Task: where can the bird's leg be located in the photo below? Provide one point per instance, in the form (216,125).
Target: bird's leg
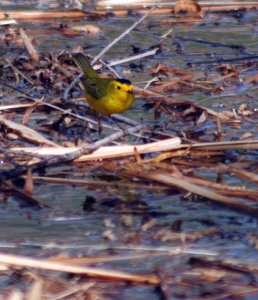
(100,125)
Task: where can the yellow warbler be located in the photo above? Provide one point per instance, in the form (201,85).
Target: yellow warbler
(106,96)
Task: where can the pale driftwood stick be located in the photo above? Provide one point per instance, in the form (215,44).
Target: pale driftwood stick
(122,35)
(15,172)
(125,150)
(107,151)
(22,261)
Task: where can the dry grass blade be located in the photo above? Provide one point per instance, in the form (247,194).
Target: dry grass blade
(29,47)
(20,261)
(27,133)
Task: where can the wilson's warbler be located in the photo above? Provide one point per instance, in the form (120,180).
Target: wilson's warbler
(107,96)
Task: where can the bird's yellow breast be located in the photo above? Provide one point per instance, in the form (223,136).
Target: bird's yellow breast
(111,104)
(118,98)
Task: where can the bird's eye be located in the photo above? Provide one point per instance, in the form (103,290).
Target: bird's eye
(119,87)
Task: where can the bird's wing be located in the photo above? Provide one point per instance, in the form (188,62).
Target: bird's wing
(97,87)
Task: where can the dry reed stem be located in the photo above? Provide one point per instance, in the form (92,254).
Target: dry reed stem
(101,183)
(80,14)
(182,150)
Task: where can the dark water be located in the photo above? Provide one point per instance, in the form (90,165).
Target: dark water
(64,225)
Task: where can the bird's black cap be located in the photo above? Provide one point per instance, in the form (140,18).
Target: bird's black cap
(124,81)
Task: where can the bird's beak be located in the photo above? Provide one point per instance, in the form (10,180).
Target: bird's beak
(130,92)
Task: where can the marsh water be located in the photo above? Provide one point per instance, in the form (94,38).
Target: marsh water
(66,226)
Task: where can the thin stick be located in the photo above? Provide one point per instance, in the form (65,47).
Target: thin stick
(44,264)
(131,58)
(122,35)
(72,84)
(19,72)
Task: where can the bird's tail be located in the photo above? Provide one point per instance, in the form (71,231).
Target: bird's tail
(84,64)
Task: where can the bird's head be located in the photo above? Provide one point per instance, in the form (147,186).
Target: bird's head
(122,87)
